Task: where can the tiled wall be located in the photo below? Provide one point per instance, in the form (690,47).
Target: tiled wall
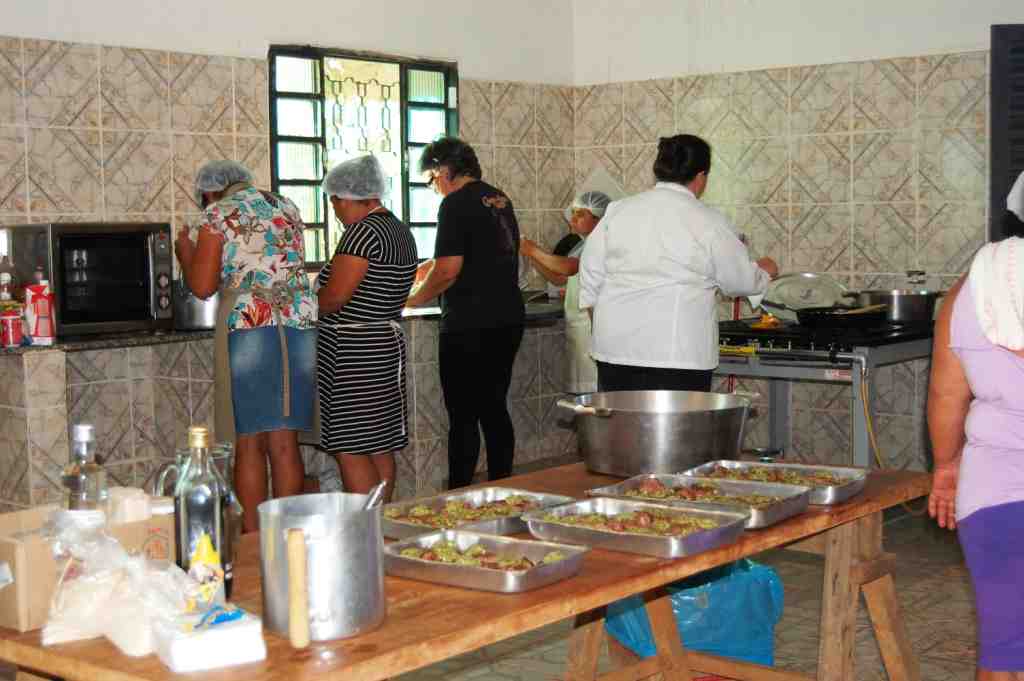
(95,132)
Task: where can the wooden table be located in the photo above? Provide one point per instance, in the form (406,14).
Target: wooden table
(427,623)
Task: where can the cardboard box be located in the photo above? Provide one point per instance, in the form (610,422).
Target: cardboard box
(25,604)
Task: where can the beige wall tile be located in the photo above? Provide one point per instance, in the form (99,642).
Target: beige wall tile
(189,153)
(722,188)
(64,171)
(526,374)
(821,169)
(97,365)
(254,154)
(201,402)
(135,89)
(171,419)
(820,238)
(884,237)
(897,443)
(821,396)
(12,82)
(894,389)
(201,360)
(476,111)
(515,113)
(517,175)
(822,437)
(953,165)
(948,235)
(555,116)
(48,453)
(14,476)
(526,423)
(610,159)
(431,459)
(485,155)
(953,90)
(137,172)
(405,473)
(62,83)
(703,104)
(12,386)
(171,360)
(13,188)
(638,168)
(649,110)
(598,115)
(552,229)
(555,178)
(252,103)
(430,419)
(760,102)
(45,379)
(144,431)
(761,173)
(201,93)
(107,406)
(821,99)
(884,94)
(557,436)
(883,167)
(767,232)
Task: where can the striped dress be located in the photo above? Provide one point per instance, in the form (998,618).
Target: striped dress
(361,358)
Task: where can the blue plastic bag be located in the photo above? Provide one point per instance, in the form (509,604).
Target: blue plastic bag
(729,611)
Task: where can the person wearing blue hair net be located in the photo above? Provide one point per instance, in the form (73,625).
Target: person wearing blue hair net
(361,360)
(583,215)
(251,247)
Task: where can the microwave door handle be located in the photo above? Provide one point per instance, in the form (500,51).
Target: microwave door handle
(150,244)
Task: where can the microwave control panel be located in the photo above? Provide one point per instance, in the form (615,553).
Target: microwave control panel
(162,262)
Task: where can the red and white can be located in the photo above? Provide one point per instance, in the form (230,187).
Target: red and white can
(10,328)
(39,313)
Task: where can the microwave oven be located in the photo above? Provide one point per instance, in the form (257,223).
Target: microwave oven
(106,277)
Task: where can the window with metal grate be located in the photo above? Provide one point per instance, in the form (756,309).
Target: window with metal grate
(1006,103)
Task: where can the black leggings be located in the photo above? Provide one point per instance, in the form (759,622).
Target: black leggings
(476,370)
(612,377)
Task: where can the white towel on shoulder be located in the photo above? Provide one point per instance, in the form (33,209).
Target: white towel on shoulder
(997,283)
(1015,200)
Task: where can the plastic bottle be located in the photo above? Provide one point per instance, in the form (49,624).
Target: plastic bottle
(84,480)
(7,279)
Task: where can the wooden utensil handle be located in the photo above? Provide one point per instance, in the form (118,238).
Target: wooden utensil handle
(298,594)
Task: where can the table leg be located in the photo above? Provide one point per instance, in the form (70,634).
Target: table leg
(779,406)
(585,646)
(675,663)
(839,603)
(890,631)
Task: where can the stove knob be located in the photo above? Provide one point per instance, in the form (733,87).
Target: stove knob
(163,281)
(164,302)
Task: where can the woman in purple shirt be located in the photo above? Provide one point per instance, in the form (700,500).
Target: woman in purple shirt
(976,424)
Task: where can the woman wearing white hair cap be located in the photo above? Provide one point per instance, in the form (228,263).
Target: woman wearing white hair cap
(361,361)
(583,215)
(251,247)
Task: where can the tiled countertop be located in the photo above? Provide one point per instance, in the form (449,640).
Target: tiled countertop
(536,314)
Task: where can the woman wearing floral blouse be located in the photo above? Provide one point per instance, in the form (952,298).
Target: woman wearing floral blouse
(250,247)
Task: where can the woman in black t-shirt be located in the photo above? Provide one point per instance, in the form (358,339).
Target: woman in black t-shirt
(476,272)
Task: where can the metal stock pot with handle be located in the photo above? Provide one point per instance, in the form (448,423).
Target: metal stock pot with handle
(657,431)
(905,306)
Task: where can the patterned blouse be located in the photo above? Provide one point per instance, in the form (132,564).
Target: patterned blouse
(263,249)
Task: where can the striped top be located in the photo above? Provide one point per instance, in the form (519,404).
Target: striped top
(388,244)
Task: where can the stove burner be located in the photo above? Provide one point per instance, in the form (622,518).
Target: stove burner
(793,336)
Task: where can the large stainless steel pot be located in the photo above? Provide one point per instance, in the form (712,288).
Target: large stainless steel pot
(338,556)
(905,305)
(190,311)
(657,431)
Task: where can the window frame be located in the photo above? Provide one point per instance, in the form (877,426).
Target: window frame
(449,71)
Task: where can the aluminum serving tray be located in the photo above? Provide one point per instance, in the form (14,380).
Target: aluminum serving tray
(505,525)
(793,498)
(730,528)
(484,579)
(855,478)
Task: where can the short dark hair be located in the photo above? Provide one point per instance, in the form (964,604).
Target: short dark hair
(681,158)
(454,154)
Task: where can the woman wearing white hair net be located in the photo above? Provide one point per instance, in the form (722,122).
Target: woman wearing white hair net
(251,247)
(361,361)
(583,215)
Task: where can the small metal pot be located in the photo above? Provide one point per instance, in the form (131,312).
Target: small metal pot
(191,312)
(905,305)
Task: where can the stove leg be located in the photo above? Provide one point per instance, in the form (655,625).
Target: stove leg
(861,445)
(780,406)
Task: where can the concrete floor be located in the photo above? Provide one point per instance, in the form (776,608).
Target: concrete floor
(933,588)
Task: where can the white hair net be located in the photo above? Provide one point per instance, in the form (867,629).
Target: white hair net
(216,176)
(594,201)
(357,178)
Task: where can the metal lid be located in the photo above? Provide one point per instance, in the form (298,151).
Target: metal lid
(83,432)
(199,437)
(804,289)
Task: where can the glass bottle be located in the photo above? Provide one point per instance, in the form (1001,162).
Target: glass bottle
(84,480)
(7,279)
(202,502)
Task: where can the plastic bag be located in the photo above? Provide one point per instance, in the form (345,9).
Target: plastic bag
(103,591)
(729,611)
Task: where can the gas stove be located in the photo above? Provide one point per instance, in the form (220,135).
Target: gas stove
(793,336)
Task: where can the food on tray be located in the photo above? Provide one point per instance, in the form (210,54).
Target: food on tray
(650,523)
(656,489)
(455,513)
(767,321)
(477,556)
(789,476)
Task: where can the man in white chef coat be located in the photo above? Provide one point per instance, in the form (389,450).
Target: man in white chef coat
(650,272)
